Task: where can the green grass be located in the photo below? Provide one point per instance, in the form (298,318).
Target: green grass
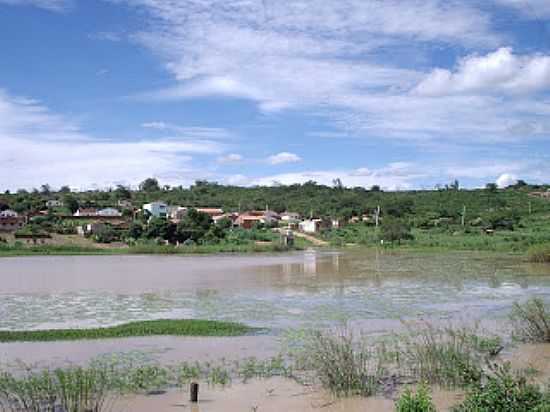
(184,327)
(539,253)
(146,249)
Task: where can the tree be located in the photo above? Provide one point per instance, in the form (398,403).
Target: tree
(122,192)
(65,189)
(193,226)
(455,185)
(395,230)
(45,189)
(375,188)
(135,231)
(159,228)
(149,185)
(71,203)
(491,187)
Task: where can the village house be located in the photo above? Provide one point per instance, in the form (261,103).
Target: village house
(125,204)
(54,203)
(109,212)
(231,216)
(211,211)
(177,213)
(11,223)
(248,219)
(156,209)
(290,217)
(8,213)
(542,195)
(86,212)
(311,225)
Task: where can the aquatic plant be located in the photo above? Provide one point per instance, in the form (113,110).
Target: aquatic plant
(531,321)
(68,390)
(341,364)
(421,401)
(172,327)
(445,356)
(504,392)
(539,253)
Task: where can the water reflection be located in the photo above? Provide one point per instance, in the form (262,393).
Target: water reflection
(290,290)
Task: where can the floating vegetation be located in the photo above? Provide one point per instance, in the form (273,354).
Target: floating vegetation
(183,327)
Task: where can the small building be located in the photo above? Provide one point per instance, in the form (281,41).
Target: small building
(86,212)
(248,219)
(290,217)
(177,213)
(311,225)
(125,204)
(231,216)
(156,209)
(109,211)
(54,203)
(8,213)
(11,223)
(211,211)
(90,228)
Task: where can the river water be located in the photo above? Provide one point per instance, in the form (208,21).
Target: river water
(373,290)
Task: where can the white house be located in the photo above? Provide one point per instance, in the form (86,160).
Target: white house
(109,211)
(8,213)
(290,217)
(311,225)
(177,213)
(156,209)
(54,203)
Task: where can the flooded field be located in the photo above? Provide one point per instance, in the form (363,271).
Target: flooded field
(372,290)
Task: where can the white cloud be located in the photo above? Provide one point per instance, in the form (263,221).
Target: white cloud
(231,158)
(41,147)
(326,58)
(395,176)
(529,8)
(210,133)
(284,157)
(499,72)
(52,5)
(506,180)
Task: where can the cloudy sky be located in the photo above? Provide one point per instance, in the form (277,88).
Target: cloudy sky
(399,93)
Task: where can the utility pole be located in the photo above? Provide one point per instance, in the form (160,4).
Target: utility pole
(463,215)
(377,215)
(530,207)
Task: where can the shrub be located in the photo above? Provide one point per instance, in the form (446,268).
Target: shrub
(421,401)
(504,392)
(531,321)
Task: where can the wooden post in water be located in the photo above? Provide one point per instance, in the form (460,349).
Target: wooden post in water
(194,392)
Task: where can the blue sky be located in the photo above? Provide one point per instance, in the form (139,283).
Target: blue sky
(399,93)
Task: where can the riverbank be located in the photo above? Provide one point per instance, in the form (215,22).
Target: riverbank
(12,250)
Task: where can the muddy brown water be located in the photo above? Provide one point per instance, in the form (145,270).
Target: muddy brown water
(373,291)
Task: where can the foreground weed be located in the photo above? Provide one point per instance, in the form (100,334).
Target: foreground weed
(505,392)
(343,365)
(531,321)
(421,401)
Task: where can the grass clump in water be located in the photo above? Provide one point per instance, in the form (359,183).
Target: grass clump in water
(343,365)
(421,401)
(182,327)
(539,254)
(531,321)
(447,357)
(67,390)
